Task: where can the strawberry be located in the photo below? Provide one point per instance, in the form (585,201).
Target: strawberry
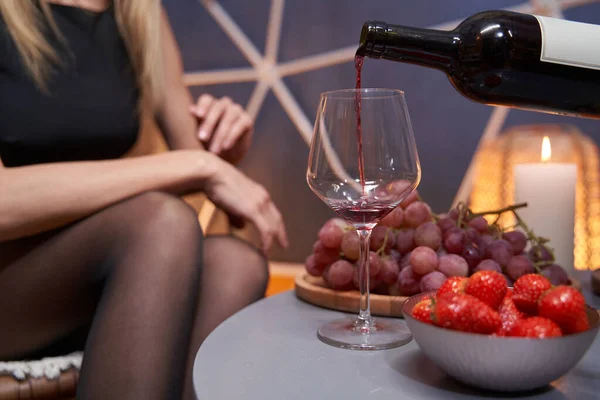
(465,313)
(581,324)
(565,306)
(487,286)
(536,327)
(527,291)
(509,314)
(422,310)
(453,285)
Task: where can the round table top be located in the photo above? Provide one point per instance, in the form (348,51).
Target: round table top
(270,351)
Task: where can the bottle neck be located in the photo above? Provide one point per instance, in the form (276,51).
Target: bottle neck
(426,47)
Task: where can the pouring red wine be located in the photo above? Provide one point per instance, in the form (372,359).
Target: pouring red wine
(358,63)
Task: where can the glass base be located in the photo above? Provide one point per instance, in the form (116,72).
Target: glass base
(357,334)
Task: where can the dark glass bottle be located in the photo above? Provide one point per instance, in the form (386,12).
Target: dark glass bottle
(503,58)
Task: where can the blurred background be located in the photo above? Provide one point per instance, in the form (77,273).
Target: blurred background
(276,57)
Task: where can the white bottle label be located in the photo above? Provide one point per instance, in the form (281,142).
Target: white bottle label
(570,43)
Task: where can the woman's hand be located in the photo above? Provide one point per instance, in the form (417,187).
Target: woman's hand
(242,198)
(224,126)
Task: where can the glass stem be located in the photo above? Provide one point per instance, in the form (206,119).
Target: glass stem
(364,315)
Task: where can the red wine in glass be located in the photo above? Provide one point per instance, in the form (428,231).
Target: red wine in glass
(363,215)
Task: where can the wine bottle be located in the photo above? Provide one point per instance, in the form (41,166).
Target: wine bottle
(503,58)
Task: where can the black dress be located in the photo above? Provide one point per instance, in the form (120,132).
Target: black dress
(90,112)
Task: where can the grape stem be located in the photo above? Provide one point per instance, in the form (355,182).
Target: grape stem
(510,228)
(462,210)
(381,249)
(542,263)
(497,231)
(500,210)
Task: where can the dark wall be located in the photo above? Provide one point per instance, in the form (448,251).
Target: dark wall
(447,126)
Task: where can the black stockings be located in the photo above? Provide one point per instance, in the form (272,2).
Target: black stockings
(137,283)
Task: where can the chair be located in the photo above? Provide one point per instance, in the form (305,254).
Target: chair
(51,378)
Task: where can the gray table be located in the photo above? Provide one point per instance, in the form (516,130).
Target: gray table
(269,351)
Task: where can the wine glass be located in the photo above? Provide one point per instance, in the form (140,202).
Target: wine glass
(363,162)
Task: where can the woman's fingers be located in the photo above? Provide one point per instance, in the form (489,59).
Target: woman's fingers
(230,116)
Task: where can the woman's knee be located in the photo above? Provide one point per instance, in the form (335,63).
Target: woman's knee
(162,213)
(164,229)
(237,261)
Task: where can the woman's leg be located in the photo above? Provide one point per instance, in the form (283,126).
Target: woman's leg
(130,272)
(235,275)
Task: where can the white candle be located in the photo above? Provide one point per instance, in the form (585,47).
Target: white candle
(549,191)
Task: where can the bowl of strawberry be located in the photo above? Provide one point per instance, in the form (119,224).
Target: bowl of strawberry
(485,334)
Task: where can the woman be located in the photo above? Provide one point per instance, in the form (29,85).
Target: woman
(100,250)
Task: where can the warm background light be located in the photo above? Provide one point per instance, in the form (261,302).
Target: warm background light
(493,184)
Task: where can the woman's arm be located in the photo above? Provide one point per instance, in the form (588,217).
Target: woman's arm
(41,197)
(177,124)
(226,126)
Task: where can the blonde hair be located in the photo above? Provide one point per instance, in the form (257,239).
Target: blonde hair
(139,25)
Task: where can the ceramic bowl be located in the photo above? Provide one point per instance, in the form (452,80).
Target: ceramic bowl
(500,363)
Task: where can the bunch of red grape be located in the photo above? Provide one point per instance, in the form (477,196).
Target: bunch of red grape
(413,250)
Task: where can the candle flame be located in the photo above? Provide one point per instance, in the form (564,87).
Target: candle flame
(546,149)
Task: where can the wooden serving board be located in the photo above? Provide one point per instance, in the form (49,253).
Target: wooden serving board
(312,290)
